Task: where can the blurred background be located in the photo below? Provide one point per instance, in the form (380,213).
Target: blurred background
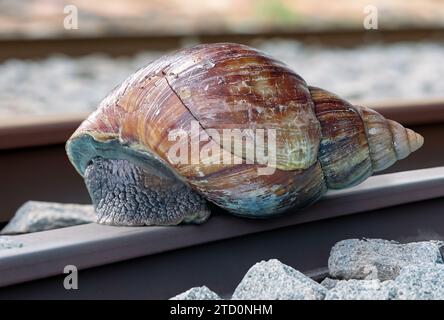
(62,57)
(44,18)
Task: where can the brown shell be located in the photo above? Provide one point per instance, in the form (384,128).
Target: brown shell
(321,140)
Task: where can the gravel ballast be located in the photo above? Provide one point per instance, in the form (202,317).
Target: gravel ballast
(61,85)
(8,243)
(421,282)
(36,216)
(362,290)
(329,283)
(197,293)
(273,280)
(410,279)
(379,259)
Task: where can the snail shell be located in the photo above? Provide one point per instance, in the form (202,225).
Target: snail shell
(321,141)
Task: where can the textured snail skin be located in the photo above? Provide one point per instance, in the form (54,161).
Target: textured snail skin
(322,141)
(157,198)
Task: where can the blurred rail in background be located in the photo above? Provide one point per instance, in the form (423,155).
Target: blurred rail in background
(129,45)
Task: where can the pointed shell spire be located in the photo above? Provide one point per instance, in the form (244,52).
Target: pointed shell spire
(405,140)
(357,141)
(388,140)
(415,140)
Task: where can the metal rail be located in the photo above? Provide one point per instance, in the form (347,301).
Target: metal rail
(30,131)
(130,44)
(35,131)
(34,166)
(87,246)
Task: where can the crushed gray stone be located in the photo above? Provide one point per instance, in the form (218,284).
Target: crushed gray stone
(405,70)
(416,280)
(36,216)
(8,243)
(273,280)
(421,282)
(329,283)
(197,293)
(362,290)
(379,259)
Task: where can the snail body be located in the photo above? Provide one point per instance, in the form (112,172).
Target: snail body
(322,142)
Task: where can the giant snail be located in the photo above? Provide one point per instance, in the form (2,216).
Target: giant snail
(123,149)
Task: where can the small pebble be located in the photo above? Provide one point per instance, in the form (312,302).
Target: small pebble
(329,283)
(197,293)
(362,290)
(8,243)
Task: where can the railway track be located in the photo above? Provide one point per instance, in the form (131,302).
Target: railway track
(404,206)
(405,203)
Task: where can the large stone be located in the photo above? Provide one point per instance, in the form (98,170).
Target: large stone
(379,259)
(421,282)
(362,290)
(36,216)
(8,243)
(273,280)
(197,293)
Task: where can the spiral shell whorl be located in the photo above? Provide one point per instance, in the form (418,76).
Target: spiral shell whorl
(357,141)
(388,140)
(405,140)
(344,152)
